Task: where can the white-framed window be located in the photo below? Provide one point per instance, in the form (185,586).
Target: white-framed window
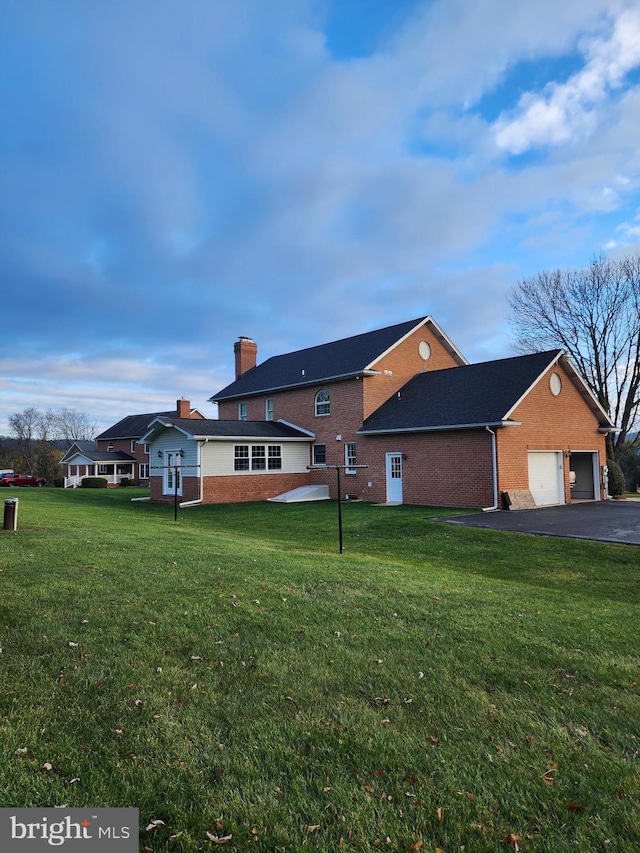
(242,411)
(258,457)
(319,454)
(146,449)
(268,409)
(110,447)
(133,445)
(350,459)
(274,458)
(241,457)
(322,403)
(143,470)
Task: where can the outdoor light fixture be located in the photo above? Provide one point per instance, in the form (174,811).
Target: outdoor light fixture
(159,454)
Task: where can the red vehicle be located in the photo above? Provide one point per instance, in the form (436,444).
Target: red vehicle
(21,480)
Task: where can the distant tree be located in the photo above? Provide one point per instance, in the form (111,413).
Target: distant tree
(37,434)
(71,425)
(594,315)
(25,425)
(630,464)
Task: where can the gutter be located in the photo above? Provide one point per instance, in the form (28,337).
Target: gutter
(494,471)
(440,428)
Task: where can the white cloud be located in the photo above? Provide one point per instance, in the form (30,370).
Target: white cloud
(567,111)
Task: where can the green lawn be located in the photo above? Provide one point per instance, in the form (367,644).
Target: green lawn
(230,674)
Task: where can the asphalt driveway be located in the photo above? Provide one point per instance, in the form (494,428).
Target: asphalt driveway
(605,521)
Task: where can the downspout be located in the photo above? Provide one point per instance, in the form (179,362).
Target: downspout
(494,468)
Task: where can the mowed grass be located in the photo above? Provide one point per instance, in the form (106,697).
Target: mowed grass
(233,676)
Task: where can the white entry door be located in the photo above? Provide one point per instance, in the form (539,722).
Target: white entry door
(394,478)
(172,473)
(546,480)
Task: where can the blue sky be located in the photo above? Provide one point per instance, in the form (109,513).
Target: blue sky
(175,175)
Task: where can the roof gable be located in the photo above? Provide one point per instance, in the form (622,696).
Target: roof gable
(224,429)
(475,395)
(327,362)
(132,426)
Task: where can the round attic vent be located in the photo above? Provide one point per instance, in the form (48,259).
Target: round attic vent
(424,350)
(555,384)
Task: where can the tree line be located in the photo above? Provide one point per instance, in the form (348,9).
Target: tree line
(39,439)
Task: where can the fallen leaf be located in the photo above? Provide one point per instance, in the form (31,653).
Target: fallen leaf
(434,739)
(20,750)
(439,813)
(573,807)
(47,766)
(313,828)
(155,823)
(219,839)
(417,846)
(73,645)
(511,840)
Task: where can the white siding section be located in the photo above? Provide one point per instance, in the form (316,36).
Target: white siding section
(218,456)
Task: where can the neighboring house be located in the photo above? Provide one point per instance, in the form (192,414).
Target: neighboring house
(402,401)
(117,453)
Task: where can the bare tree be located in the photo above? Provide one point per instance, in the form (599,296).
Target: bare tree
(25,426)
(38,432)
(594,315)
(71,425)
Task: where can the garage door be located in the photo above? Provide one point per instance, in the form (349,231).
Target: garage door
(546,482)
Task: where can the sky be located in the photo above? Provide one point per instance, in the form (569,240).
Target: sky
(175,175)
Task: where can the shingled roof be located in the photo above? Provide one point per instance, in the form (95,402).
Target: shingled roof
(475,395)
(212,429)
(132,426)
(327,362)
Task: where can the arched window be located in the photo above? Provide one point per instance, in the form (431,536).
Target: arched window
(323,403)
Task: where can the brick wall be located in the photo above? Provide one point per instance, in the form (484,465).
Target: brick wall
(401,364)
(238,488)
(440,469)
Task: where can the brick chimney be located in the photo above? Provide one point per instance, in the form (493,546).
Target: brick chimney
(246,352)
(183,408)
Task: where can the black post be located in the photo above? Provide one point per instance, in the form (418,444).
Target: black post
(175,492)
(339,509)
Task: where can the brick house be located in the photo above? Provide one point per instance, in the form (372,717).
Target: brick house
(404,414)
(117,453)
